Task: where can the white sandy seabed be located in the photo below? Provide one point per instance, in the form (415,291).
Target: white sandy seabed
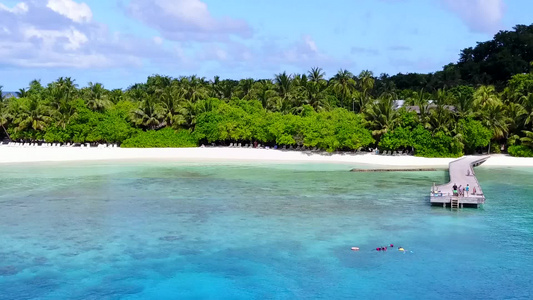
(21,154)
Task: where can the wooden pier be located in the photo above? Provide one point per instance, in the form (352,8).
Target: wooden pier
(461,174)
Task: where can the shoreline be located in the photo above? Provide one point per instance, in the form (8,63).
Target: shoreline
(33,154)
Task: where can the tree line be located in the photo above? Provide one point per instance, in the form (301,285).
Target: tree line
(453,113)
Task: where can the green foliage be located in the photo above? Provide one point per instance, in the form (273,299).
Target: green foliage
(400,137)
(335,130)
(285,129)
(495,61)
(164,138)
(474,134)
(343,112)
(88,126)
(438,144)
(520,151)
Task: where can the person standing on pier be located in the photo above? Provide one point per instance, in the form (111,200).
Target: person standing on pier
(467,189)
(455,189)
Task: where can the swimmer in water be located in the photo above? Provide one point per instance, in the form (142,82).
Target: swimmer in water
(401,249)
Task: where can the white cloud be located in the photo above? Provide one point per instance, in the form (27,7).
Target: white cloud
(77,12)
(57,34)
(20,8)
(310,43)
(158,40)
(479,15)
(186,20)
(75,39)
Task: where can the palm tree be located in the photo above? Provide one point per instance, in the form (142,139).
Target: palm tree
(22,93)
(116,95)
(315,94)
(170,98)
(278,104)
(188,111)
(527,103)
(516,115)
(528,139)
(382,115)
(64,113)
(263,91)
(442,97)
(343,84)
(157,82)
(194,88)
(440,119)
(5,116)
(149,114)
(283,85)
(34,115)
(97,97)
(317,75)
(492,117)
(421,100)
(365,84)
(63,90)
(245,88)
(35,87)
(228,88)
(366,81)
(485,95)
(463,102)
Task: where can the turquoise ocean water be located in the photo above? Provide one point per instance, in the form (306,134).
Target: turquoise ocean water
(159,230)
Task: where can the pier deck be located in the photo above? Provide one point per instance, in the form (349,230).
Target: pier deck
(461,173)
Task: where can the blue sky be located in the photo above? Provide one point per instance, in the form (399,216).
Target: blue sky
(120,42)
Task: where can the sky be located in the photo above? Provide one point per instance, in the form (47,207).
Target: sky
(122,42)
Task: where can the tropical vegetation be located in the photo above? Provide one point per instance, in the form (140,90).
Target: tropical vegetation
(482,103)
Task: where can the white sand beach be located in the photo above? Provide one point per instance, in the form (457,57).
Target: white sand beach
(29,154)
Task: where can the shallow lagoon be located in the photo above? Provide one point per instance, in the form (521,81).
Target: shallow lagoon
(157,230)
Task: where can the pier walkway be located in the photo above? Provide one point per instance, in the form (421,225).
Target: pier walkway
(461,174)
